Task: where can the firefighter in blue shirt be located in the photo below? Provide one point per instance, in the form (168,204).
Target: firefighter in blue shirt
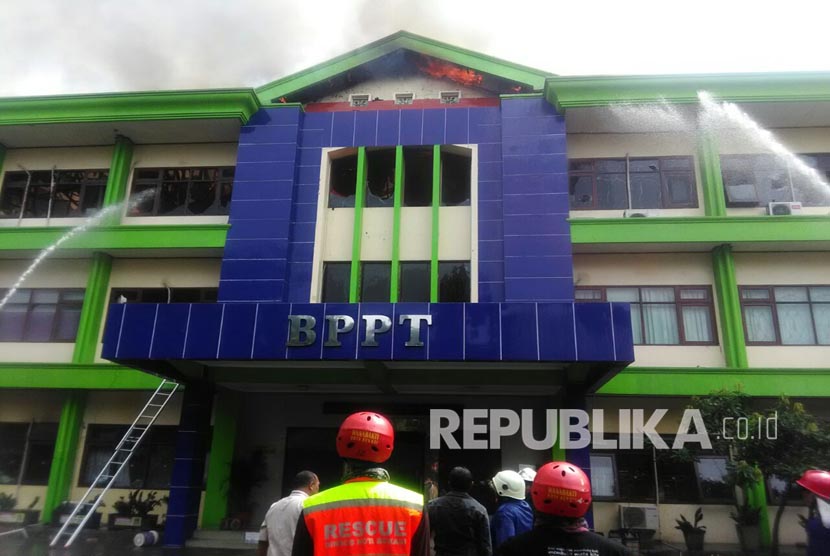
(514,515)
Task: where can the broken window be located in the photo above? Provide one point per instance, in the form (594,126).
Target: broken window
(182,191)
(450,97)
(73,193)
(336,280)
(454,282)
(375,282)
(417,190)
(342,179)
(359,100)
(404,98)
(381,177)
(455,176)
(163,295)
(414,282)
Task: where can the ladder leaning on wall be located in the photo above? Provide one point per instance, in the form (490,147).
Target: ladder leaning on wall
(118,460)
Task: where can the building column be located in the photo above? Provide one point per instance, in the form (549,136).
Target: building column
(708,157)
(225,414)
(92,313)
(2,156)
(119,175)
(63,458)
(574,398)
(756,497)
(192,441)
(729,307)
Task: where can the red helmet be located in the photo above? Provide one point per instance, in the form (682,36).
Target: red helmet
(366,436)
(817,482)
(561,489)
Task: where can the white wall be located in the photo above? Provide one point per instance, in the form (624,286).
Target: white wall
(385,88)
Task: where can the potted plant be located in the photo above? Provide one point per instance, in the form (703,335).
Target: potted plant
(692,532)
(748,524)
(133,512)
(19,517)
(64,510)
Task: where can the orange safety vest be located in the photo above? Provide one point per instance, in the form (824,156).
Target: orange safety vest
(363,517)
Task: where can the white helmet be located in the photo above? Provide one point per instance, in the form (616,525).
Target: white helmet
(509,484)
(528,474)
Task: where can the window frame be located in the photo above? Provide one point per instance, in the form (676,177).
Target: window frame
(678,303)
(772,303)
(85,183)
(752,157)
(206,294)
(157,182)
(60,306)
(38,440)
(593,173)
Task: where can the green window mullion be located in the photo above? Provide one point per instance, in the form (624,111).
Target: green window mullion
(359,201)
(714,196)
(396,226)
(436,202)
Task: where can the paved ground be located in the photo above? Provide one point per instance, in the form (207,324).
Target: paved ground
(98,543)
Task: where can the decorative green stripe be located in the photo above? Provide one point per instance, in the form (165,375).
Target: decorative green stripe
(729,307)
(119,174)
(357,235)
(436,203)
(238,104)
(222,442)
(396,225)
(168,236)
(705,230)
(92,313)
(102,376)
(63,458)
(714,200)
(696,381)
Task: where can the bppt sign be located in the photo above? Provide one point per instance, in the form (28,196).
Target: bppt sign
(303,330)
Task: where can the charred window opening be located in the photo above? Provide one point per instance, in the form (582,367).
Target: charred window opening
(359,100)
(450,97)
(342,181)
(163,295)
(404,98)
(76,193)
(183,191)
(336,279)
(417,190)
(414,282)
(381,177)
(454,282)
(375,282)
(455,177)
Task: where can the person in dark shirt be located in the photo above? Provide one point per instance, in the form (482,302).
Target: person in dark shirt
(459,523)
(817,484)
(561,494)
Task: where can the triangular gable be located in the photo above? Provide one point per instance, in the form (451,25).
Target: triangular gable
(289,88)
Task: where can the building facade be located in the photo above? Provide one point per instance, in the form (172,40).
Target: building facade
(408,227)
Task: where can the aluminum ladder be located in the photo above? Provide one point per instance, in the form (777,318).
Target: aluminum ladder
(119,459)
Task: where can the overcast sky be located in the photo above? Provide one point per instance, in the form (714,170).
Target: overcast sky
(74,46)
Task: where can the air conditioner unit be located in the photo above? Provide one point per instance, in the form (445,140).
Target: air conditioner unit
(640,213)
(784,209)
(639,517)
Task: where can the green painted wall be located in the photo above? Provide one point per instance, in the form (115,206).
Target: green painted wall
(729,307)
(101,376)
(359,203)
(119,175)
(225,413)
(66,447)
(714,199)
(92,313)
(108,238)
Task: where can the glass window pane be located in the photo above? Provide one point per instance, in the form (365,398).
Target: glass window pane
(612,165)
(791,294)
(39,462)
(375,282)
(582,191)
(759,323)
(660,322)
(12,440)
(455,177)
(342,179)
(821,316)
(795,324)
(684,163)
(696,324)
(658,294)
(588,295)
(623,294)
(41,321)
(380,188)
(603,483)
(820,294)
(611,192)
(645,191)
(45,296)
(693,294)
(12,322)
(225,195)
(336,280)
(580,165)
(680,188)
(712,474)
(454,282)
(754,294)
(636,323)
(414,282)
(417,188)
(677,481)
(649,165)
(148,200)
(66,328)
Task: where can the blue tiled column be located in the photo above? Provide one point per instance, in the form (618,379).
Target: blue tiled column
(192,441)
(255,266)
(538,265)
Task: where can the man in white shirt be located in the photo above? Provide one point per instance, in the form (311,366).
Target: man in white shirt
(276,534)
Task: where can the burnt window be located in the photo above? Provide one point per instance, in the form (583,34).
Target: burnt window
(414,281)
(636,183)
(336,280)
(455,176)
(417,190)
(375,282)
(150,467)
(758,179)
(182,191)
(454,281)
(37,441)
(73,193)
(342,180)
(380,187)
(41,315)
(163,295)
